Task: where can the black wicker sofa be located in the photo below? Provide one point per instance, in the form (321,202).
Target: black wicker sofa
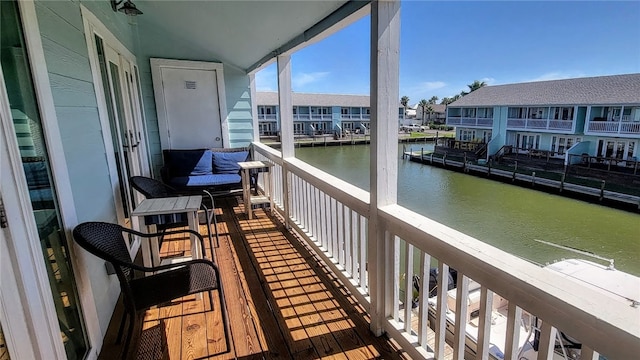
(215,170)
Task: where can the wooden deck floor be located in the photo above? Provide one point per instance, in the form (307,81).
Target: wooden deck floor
(282,303)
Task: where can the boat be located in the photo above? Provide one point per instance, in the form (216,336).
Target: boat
(621,287)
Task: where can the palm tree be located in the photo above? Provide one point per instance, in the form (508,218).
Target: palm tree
(423,105)
(405,102)
(433,100)
(456,97)
(477,84)
(446,101)
(429,111)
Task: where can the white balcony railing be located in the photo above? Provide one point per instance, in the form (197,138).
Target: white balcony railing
(540,124)
(614,127)
(267,117)
(332,216)
(470,122)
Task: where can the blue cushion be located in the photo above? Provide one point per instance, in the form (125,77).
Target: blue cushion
(190,162)
(227,162)
(206,180)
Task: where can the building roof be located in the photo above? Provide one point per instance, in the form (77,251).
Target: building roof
(601,90)
(305,99)
(437,108)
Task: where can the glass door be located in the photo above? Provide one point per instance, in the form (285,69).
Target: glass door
(35,161)
(618,149)
(125,120)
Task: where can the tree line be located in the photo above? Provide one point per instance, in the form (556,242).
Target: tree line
(426,107)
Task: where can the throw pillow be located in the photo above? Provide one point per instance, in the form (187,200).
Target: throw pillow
(227,162)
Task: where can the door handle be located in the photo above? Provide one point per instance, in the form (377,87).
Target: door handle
(3,216)
(132,139)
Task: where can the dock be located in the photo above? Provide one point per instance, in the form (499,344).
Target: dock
(615,199)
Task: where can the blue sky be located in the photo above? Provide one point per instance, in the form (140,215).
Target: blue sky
(446,45)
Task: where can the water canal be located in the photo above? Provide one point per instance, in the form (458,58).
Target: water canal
(503,215)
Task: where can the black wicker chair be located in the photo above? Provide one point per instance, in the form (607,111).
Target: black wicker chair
(107,242)
(152,189)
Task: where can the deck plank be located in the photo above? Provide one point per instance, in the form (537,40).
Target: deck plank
(281,300)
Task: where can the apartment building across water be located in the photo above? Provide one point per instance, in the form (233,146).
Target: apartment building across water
(597,116)
(318,114)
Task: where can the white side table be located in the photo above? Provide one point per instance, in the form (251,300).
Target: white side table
(251,200)
(171,205)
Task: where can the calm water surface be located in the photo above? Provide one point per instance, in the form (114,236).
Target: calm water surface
(506,216)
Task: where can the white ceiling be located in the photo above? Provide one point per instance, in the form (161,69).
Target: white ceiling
(238,33)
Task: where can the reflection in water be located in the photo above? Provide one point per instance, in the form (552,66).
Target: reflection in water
(506,216)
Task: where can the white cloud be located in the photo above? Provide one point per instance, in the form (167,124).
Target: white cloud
(556,75)
(303,79)
(488,80)
(431,85)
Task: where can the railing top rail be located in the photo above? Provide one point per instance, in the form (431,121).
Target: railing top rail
(348,194)
(269,152)
(567,305)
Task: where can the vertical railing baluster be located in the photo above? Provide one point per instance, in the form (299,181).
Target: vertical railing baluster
(408,287)
(395,277)
(327,222)
(300,197)
(364,276)
(309,208)
(341,229)
(333,214)
(305,206)
(317,222)
(294,198)
(348,240)
(484,323)
(462,296)
(316,213)
(547,341)
(513,334)
(441,309)
(586,353)
(423,321)
(357,264)
(312,210)
(297,198)
(322,220)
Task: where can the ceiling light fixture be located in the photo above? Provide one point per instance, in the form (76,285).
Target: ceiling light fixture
(125,6)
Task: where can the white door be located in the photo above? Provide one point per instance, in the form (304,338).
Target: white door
(192,110)
(190,104)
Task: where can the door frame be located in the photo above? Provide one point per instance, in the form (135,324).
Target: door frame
(163,123)
(29,267)
(93,26)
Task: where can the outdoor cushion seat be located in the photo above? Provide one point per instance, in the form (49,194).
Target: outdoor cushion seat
(215,170)
(205,180)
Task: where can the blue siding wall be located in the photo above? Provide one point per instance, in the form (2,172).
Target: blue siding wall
(67,61)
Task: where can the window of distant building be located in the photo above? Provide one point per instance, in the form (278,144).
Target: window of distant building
(562,113)
(517,112)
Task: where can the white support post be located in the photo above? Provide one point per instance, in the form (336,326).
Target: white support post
(286,128)
(385,47)
(254,107)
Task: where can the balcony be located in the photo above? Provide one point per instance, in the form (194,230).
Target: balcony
(333,217)
(613,127)
(544,125)
(470,122)
(309,292)
(281,301)
(267,117)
